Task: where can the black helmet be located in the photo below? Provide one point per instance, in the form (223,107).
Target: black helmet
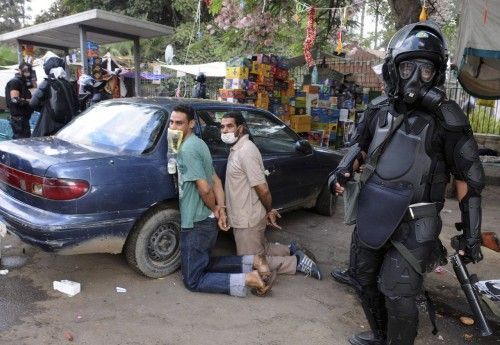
(201,78)
(53,62)
(417,40)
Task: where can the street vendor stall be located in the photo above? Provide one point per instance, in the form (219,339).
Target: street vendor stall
(77,30)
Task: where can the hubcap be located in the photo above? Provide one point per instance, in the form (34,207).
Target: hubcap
(163,242)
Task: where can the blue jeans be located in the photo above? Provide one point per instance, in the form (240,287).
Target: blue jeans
(204,273)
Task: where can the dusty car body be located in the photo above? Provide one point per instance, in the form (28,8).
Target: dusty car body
(101,185)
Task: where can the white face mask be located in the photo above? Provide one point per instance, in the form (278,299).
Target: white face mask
(229,138)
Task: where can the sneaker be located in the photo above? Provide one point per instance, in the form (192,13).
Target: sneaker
(294,246)
(307,266)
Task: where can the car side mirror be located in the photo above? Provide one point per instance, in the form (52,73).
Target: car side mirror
(303,146)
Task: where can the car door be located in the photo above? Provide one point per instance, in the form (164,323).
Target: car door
(292,175)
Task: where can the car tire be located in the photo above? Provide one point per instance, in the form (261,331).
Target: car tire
(325,204)
(153,248)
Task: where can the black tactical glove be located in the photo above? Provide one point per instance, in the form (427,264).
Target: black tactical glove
(338,176)
(471,247)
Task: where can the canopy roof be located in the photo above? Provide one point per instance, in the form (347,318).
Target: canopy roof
(478,49)
(101,26)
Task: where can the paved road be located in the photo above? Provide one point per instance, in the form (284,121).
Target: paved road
(300,311)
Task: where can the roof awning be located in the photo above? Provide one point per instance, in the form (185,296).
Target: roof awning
(478,50)
(95,25)
(101,26)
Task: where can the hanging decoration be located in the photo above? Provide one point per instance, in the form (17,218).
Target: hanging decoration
(339,42)
(311,24)
(310,36)
(424,13)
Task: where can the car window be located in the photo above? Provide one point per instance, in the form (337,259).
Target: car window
(209,126)
(117,127)
(269,134)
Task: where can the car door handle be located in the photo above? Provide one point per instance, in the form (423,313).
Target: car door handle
(269,171)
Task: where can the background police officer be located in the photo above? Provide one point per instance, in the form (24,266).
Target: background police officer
(17,96)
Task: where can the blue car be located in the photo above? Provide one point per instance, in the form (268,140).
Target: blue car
(101,184)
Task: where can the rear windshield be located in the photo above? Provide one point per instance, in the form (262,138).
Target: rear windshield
(117,127)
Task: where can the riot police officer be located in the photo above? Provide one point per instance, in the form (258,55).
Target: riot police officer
(17,97)
(408,143)
(200,88)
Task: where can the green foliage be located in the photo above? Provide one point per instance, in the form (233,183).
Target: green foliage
(483,120)
(13,14)
(215,7)
(8,56)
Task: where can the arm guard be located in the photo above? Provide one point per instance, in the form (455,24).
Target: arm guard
(468,168)
(345,166)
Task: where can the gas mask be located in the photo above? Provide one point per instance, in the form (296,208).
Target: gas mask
(174,139)
(416,78)
(26,76)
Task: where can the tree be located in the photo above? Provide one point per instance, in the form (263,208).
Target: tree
(13,15)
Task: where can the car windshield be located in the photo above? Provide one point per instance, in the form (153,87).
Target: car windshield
(117,127)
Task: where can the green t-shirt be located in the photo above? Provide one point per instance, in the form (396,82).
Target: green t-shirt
(194,163)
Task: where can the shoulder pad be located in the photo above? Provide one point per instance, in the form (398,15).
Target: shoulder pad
(453,117)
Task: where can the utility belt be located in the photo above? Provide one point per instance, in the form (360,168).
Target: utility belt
(423,210)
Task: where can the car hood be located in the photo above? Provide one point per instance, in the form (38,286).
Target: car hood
(36,155)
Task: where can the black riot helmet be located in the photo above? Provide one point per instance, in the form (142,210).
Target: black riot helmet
(53,62)
(201,78)
(422,40)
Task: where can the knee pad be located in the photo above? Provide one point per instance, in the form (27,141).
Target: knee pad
(397,277)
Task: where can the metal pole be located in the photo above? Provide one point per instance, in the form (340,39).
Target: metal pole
(66,55)
(19,53)
(83,50)
(137,86)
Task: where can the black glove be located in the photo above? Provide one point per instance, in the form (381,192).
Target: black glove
(338,176)
(470,246)
(19,101)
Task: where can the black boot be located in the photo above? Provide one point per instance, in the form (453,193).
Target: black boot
(402,323)
(373,303)
(341,275)
(365,338)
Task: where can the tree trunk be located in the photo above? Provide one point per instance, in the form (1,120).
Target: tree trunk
(362,25)
(376,25)
(405,11)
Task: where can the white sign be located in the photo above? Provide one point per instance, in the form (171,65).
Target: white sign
(156,70)
(344,113)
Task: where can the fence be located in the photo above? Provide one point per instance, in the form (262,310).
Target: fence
(167,88)
(484,116)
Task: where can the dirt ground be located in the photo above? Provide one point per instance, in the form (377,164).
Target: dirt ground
(300,310)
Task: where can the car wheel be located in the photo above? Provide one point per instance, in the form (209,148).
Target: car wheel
(325,204)
(153,247)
